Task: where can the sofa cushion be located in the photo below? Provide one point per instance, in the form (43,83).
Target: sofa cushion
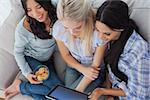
(16,4)
(21,97)
(60,65)
(8,68)
(141,15)
(7,30)
(5,9)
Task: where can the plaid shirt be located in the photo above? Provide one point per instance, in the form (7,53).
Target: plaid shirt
(135,63)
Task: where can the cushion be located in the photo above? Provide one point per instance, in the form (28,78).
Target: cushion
(60,65)
(5,9)
(21,97)
(7,30)
(8,68)
(16,4)
(141,15)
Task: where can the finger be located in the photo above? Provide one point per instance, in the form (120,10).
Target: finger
(36,82)
(95,71)
(89,93)
(97,68)
(89,96)
(11,95)
(95,76)
(91,78)
(7,91)
(34,76)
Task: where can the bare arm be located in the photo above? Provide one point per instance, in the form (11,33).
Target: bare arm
(68,58)
(98,57)
(105,91)
(114,92)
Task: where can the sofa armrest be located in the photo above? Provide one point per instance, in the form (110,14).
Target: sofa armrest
(8,69)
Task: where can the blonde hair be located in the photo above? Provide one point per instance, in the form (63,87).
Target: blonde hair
(79,11)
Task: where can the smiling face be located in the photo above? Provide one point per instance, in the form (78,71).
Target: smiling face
(36,11)
(106,33)
(73,27)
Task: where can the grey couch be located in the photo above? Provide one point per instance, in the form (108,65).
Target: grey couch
(139,11)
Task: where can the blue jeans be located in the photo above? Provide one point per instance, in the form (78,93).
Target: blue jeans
(38,91)
(73,78)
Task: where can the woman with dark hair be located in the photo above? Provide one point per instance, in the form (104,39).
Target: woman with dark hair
(34,46)
(128,54)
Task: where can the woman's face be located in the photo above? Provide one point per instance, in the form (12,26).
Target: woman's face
(106,33)
(73,27)
(36,11)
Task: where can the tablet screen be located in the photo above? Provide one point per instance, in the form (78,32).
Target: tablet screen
(63,93)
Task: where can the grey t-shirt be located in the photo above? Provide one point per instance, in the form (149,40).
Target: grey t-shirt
(27,45)
(60,33)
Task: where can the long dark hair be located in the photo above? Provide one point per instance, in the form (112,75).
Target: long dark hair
(115,15)
(38,28)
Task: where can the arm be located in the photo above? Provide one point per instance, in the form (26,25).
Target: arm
(21,41)
(68,58)
(98,57)
(113,92)
(19,47)
(73,63)
(104,91)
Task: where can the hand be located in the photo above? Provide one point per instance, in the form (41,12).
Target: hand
(32,79)
(96,94)
(91,72)
(78,89)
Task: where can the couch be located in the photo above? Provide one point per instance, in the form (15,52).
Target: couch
(139,11)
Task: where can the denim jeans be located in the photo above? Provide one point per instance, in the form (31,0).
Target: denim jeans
(38,91)
(73,78)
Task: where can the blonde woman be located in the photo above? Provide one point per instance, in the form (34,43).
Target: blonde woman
(79,45)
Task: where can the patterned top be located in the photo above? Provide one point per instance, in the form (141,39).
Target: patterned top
(60,33)
(135,63)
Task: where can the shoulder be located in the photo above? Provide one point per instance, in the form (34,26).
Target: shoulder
(58,25)
(23,25)
(59,30)
(136,43)
(136,48)
(23,28)
(26,25)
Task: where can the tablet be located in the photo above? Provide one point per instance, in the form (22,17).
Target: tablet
(64,93)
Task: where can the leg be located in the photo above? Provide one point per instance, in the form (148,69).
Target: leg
(38,97)
(53,79)
(29,89)
(72,78)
